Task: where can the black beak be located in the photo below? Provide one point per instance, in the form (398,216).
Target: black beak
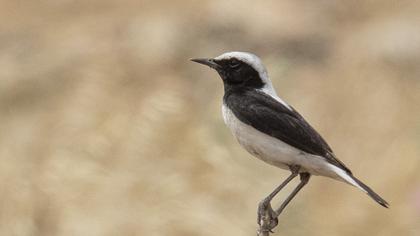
(208,62)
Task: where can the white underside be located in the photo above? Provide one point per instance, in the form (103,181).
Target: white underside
(278,153)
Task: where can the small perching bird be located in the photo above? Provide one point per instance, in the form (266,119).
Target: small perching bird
(273,131)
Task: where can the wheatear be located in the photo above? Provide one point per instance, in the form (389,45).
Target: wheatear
(273,131)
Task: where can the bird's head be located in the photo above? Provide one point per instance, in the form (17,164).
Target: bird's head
(238,69)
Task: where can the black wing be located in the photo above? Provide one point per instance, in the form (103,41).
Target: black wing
(271,117)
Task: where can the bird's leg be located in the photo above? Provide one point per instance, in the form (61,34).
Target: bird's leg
(267,217)
(304,178)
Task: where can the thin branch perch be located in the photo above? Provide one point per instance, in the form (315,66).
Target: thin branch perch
(265,224)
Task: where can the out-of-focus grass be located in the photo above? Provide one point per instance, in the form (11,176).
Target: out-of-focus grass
(108,129)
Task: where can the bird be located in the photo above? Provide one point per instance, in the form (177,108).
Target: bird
(273,131)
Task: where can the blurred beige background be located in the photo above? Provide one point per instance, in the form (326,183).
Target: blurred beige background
(108,129)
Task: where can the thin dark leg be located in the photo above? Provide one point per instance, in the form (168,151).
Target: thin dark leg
(265,209)
(304,178)
(295,172)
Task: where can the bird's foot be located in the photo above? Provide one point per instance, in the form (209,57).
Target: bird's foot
(267,217)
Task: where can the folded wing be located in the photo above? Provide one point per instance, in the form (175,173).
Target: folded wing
(271,117)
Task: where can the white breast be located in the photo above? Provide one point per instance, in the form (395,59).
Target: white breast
(273,150)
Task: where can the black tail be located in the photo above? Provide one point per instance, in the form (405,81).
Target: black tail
(371,193)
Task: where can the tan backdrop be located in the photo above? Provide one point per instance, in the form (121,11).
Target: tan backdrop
(106,128)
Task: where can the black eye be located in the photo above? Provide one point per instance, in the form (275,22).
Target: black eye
(234,64)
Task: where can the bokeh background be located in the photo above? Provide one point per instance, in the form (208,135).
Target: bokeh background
(107,128)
